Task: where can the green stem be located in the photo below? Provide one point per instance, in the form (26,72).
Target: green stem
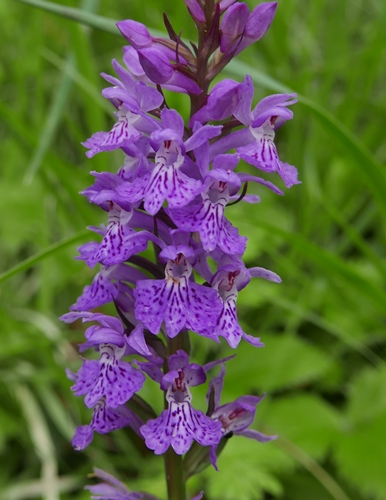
(174,476)
(174,468)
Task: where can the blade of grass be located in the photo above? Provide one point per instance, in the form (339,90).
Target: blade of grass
(79,79)
(34,489)
(41,439)
(344,336)
(52,122)
(319,473)
(44,254)
(79,15)
(62,172)
(330,263)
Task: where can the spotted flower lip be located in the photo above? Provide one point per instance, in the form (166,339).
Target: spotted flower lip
(180,424)
(105,420)
(177,301)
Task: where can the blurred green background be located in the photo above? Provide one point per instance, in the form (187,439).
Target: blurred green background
(323,365)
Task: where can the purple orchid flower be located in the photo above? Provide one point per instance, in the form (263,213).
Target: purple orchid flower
(240,29)
(108,286)
(231,277)
(180,424)
(207,217)
(105,420)
(133,101)
(167,181)
(112,489)
(109,377)
(176,300)
(235,417)
(119,242)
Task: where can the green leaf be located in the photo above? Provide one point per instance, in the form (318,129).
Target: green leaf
(247,469)
(307,420)
(361,456)
(330,263)
(368,396)
(286,361)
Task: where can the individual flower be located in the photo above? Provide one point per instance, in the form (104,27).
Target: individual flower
(167,181)
(207,217)
(120,241)
(231,277)
(180,424)
(105,420)
(255,142)
(235,417)
(108,285)
(177,300)
(110,377)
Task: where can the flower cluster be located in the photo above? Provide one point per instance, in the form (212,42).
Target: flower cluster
(171,193)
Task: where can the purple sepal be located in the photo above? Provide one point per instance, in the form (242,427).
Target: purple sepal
(257,24)
(212,364)
(195,10)
(233,25)
(199,496)
(222,102)
(260,272)
(258,436)
(136,33)
(159,70)
(225,4)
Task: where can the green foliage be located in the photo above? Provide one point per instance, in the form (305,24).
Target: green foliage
(323,363)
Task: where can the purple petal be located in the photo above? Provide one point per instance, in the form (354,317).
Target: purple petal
(136,33)
(204,308)
(151,303)
(195,10)
(117,381)
(86,377)
(289,174)
(251,433)
(260,272)
(83,437)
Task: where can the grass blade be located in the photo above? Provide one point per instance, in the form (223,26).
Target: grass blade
(44,254)
(52,121)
